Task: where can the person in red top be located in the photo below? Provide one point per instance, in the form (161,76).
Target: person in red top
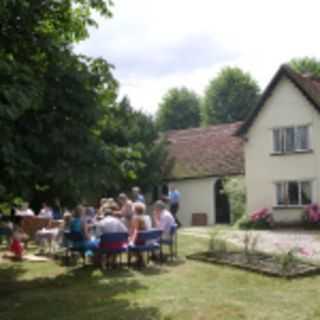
(16,246)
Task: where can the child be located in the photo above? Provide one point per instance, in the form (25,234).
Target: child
(16,246)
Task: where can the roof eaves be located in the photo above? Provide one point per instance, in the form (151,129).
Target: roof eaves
(283,70)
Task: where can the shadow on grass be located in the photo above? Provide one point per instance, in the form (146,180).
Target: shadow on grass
(80,293)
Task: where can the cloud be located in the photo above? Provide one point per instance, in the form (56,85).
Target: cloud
(187,55)
(156,45)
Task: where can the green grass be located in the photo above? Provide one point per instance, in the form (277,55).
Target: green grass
(182,290)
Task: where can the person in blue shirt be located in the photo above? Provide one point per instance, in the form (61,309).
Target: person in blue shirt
(174,200)
(78,224)
(137,195)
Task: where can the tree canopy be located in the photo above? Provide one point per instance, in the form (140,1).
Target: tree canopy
(179,109)
(135,132)
(229,97)
(57,108)
(306,65)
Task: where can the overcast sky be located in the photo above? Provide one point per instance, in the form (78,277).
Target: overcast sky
(159,44)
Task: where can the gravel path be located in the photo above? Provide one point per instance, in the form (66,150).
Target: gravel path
(305,243)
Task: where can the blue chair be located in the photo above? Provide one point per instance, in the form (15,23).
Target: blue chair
(111,246)
(147,242)
(75,242)
(171,242)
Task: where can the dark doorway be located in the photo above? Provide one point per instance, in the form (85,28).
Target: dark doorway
(222,203)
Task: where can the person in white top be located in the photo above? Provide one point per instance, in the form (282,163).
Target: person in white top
(163,219)
(25,211)
(45,212)
(110,224)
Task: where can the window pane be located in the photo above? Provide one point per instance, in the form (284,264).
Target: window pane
(306,192)
(293,193)
(277,140)
(289,140)
(302,138)
(281,194)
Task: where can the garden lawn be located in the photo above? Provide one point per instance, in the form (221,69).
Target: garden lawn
(181,290)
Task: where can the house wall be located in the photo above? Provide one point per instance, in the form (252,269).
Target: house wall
(285,107)
(197,196)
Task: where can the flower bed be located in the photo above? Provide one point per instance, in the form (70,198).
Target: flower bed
(260,263)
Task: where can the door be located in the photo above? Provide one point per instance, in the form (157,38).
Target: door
(222,203)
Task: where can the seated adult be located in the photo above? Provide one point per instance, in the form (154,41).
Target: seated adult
(89,216)
(126,208)
(137,195)
(24,211)
(110,224)
(140,222)
(46,211)
(164,220)
(105,203)
(56,210)
(78,224)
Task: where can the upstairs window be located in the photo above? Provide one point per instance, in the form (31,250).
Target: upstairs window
(294,193)
(291,139)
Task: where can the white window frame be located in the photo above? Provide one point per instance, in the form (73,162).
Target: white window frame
(300,182)
(283,143)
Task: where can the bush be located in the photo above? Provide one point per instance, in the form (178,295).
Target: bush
(235,189)
(260,220)
(311,215)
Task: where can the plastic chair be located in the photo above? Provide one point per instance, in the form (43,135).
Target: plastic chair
(171,242)
(147,242)
(113,245)
(75,242)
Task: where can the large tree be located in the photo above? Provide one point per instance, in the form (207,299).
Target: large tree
(179,109)
(52,101)
(229,97)
(306,65)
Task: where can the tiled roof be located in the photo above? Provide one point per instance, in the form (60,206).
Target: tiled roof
(308,86)
(204,152)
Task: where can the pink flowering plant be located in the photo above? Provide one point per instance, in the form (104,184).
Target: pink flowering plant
(260,219)
(311,214)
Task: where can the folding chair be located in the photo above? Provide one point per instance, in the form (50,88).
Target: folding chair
(75,242)
(147,242)
(171,242)
(111,246)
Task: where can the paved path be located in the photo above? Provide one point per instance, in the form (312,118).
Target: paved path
(306,243)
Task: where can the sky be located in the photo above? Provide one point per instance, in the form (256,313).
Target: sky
(159,44)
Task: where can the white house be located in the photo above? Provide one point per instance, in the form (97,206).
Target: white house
(282,146)
(202,157)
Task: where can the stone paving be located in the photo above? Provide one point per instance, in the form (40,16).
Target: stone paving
(305,243)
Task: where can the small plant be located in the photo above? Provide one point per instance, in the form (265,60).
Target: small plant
(246,243)
(287,259)
(216,244)
(254,243)
(213,240)
(250,242)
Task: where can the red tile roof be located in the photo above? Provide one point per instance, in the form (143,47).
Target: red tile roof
(204,152)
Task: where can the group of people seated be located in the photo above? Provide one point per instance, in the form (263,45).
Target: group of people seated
(119,216)
(112,216)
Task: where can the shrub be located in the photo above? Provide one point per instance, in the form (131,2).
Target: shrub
(235,189)
(311,215)
(261,219)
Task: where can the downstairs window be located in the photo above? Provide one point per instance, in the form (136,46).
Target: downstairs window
(293,193)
